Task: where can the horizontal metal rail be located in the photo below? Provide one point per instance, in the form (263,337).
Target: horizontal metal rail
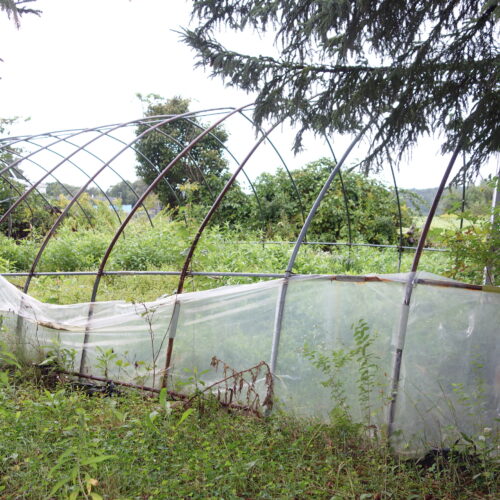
(144,273)
(351,278)
(335,243)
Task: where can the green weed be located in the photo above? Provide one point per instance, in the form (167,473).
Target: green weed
(64,444)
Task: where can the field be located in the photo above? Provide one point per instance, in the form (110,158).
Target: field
(60,443)
(56,441)
(164,247)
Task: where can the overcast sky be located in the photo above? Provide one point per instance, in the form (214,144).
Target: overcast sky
(82,62)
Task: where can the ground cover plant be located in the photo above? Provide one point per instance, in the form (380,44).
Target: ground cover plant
(164,247)
(58,442)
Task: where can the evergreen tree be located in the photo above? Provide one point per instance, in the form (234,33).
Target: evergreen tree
(415,68)
(16,8)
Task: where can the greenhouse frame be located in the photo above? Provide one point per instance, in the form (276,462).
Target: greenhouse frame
(430,342)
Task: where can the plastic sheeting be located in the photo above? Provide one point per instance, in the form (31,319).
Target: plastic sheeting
(450,378)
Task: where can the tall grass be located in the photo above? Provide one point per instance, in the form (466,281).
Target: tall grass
(164,247)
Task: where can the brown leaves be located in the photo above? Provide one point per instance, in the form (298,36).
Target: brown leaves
(239,389)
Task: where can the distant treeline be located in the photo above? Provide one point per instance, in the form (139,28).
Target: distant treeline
(477,199)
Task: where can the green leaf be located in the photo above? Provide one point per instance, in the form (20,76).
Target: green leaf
(184,416)
(74,495)
(58,485)
(98,459)
(163,397)
(60,461)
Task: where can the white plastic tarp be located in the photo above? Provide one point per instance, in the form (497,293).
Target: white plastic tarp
(450,378)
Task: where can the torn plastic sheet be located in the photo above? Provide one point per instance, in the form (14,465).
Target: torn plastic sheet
(450,378)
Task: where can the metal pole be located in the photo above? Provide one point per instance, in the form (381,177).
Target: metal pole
(284,287)
(214,207)
(144,195)
(405,307)
(489,270)
(464,182)
(172,332)
(206,220)
(400,216)
(346,205)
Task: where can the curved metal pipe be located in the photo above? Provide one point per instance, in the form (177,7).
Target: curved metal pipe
(19,192)
(400,216)
(214,207)
(200,127)
(301,205)
(283,293)
(101,134)
(29,140)
(44,148)
(348,217)
(71,162)
(230,153)
(38,192)
(115,172)
(271,143)
(150,188)
(320,197)
(152,166)
(389,157)
(78,194)
(58,182)
(130,215)
(405,307)
(464,185)
(175,314)
(190,156)
(346,202)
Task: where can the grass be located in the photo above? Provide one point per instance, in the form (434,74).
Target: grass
(59,443)
(164,248)
(56,442)
(445,221)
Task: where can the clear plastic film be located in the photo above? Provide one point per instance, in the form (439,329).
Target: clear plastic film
(450,373)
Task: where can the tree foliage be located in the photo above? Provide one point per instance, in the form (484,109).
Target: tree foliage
(17,8)
(195,181)
(477,200)
(414,68)
(204,166)
(127,192)
(373,210)
(33,216)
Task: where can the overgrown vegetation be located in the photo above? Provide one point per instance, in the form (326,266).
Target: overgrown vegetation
(59,442)
(336,365)
(164,248)
(222,248)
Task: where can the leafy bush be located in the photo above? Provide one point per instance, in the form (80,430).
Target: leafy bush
(474,248)
(372,207)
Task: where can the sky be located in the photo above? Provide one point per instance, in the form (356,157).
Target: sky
(82,62)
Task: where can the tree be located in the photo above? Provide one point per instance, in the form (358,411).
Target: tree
(16,8)
(12,185)
(372,207)
(477,199)
(204,166)
(413,68)
(55,189)
(127,192)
